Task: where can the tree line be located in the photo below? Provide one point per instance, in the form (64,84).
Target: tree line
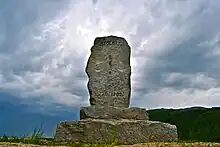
(194,124)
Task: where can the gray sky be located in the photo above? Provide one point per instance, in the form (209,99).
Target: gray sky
(45,44)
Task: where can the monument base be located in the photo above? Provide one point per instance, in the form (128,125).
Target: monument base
(123,131)
(108,112)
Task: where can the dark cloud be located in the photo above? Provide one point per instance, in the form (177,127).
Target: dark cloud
(44,47)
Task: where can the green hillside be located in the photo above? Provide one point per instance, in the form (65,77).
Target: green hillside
(196,123)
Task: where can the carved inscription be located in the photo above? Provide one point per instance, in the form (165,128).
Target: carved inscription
(110,60)
(118,93)
(109,42)
(115,92)
(110,63)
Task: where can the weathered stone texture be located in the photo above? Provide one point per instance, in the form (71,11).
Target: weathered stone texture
(109,118)
(101,112)
(108,70)
(123,131)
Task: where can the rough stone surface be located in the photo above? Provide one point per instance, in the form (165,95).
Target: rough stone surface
(100,112)
(110,118)
(123,131)
(108,69)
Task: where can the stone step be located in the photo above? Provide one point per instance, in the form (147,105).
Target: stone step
(122,131)
(102,112)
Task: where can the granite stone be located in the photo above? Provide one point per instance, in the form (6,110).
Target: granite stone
(122,131)
(108,69)
(101,112)
(109,117)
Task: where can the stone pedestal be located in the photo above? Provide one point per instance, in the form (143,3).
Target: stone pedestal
(101,112)
(123,131)
(109,117)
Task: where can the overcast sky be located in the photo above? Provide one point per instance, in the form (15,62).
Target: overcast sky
(45,44)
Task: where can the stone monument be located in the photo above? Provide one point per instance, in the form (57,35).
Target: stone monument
(109,117)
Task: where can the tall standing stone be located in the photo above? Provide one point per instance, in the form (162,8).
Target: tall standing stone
(109,72)
(109,119)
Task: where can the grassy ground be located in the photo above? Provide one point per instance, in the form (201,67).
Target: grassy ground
(36,139)
(44,142)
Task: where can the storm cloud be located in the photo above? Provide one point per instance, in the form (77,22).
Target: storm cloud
(44,47)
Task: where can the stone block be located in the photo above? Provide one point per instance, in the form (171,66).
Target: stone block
(101,112)
(108,69)
(122,131)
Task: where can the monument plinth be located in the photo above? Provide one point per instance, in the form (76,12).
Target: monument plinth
(109,117)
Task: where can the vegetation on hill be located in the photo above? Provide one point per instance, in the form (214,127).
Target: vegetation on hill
(196,123)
